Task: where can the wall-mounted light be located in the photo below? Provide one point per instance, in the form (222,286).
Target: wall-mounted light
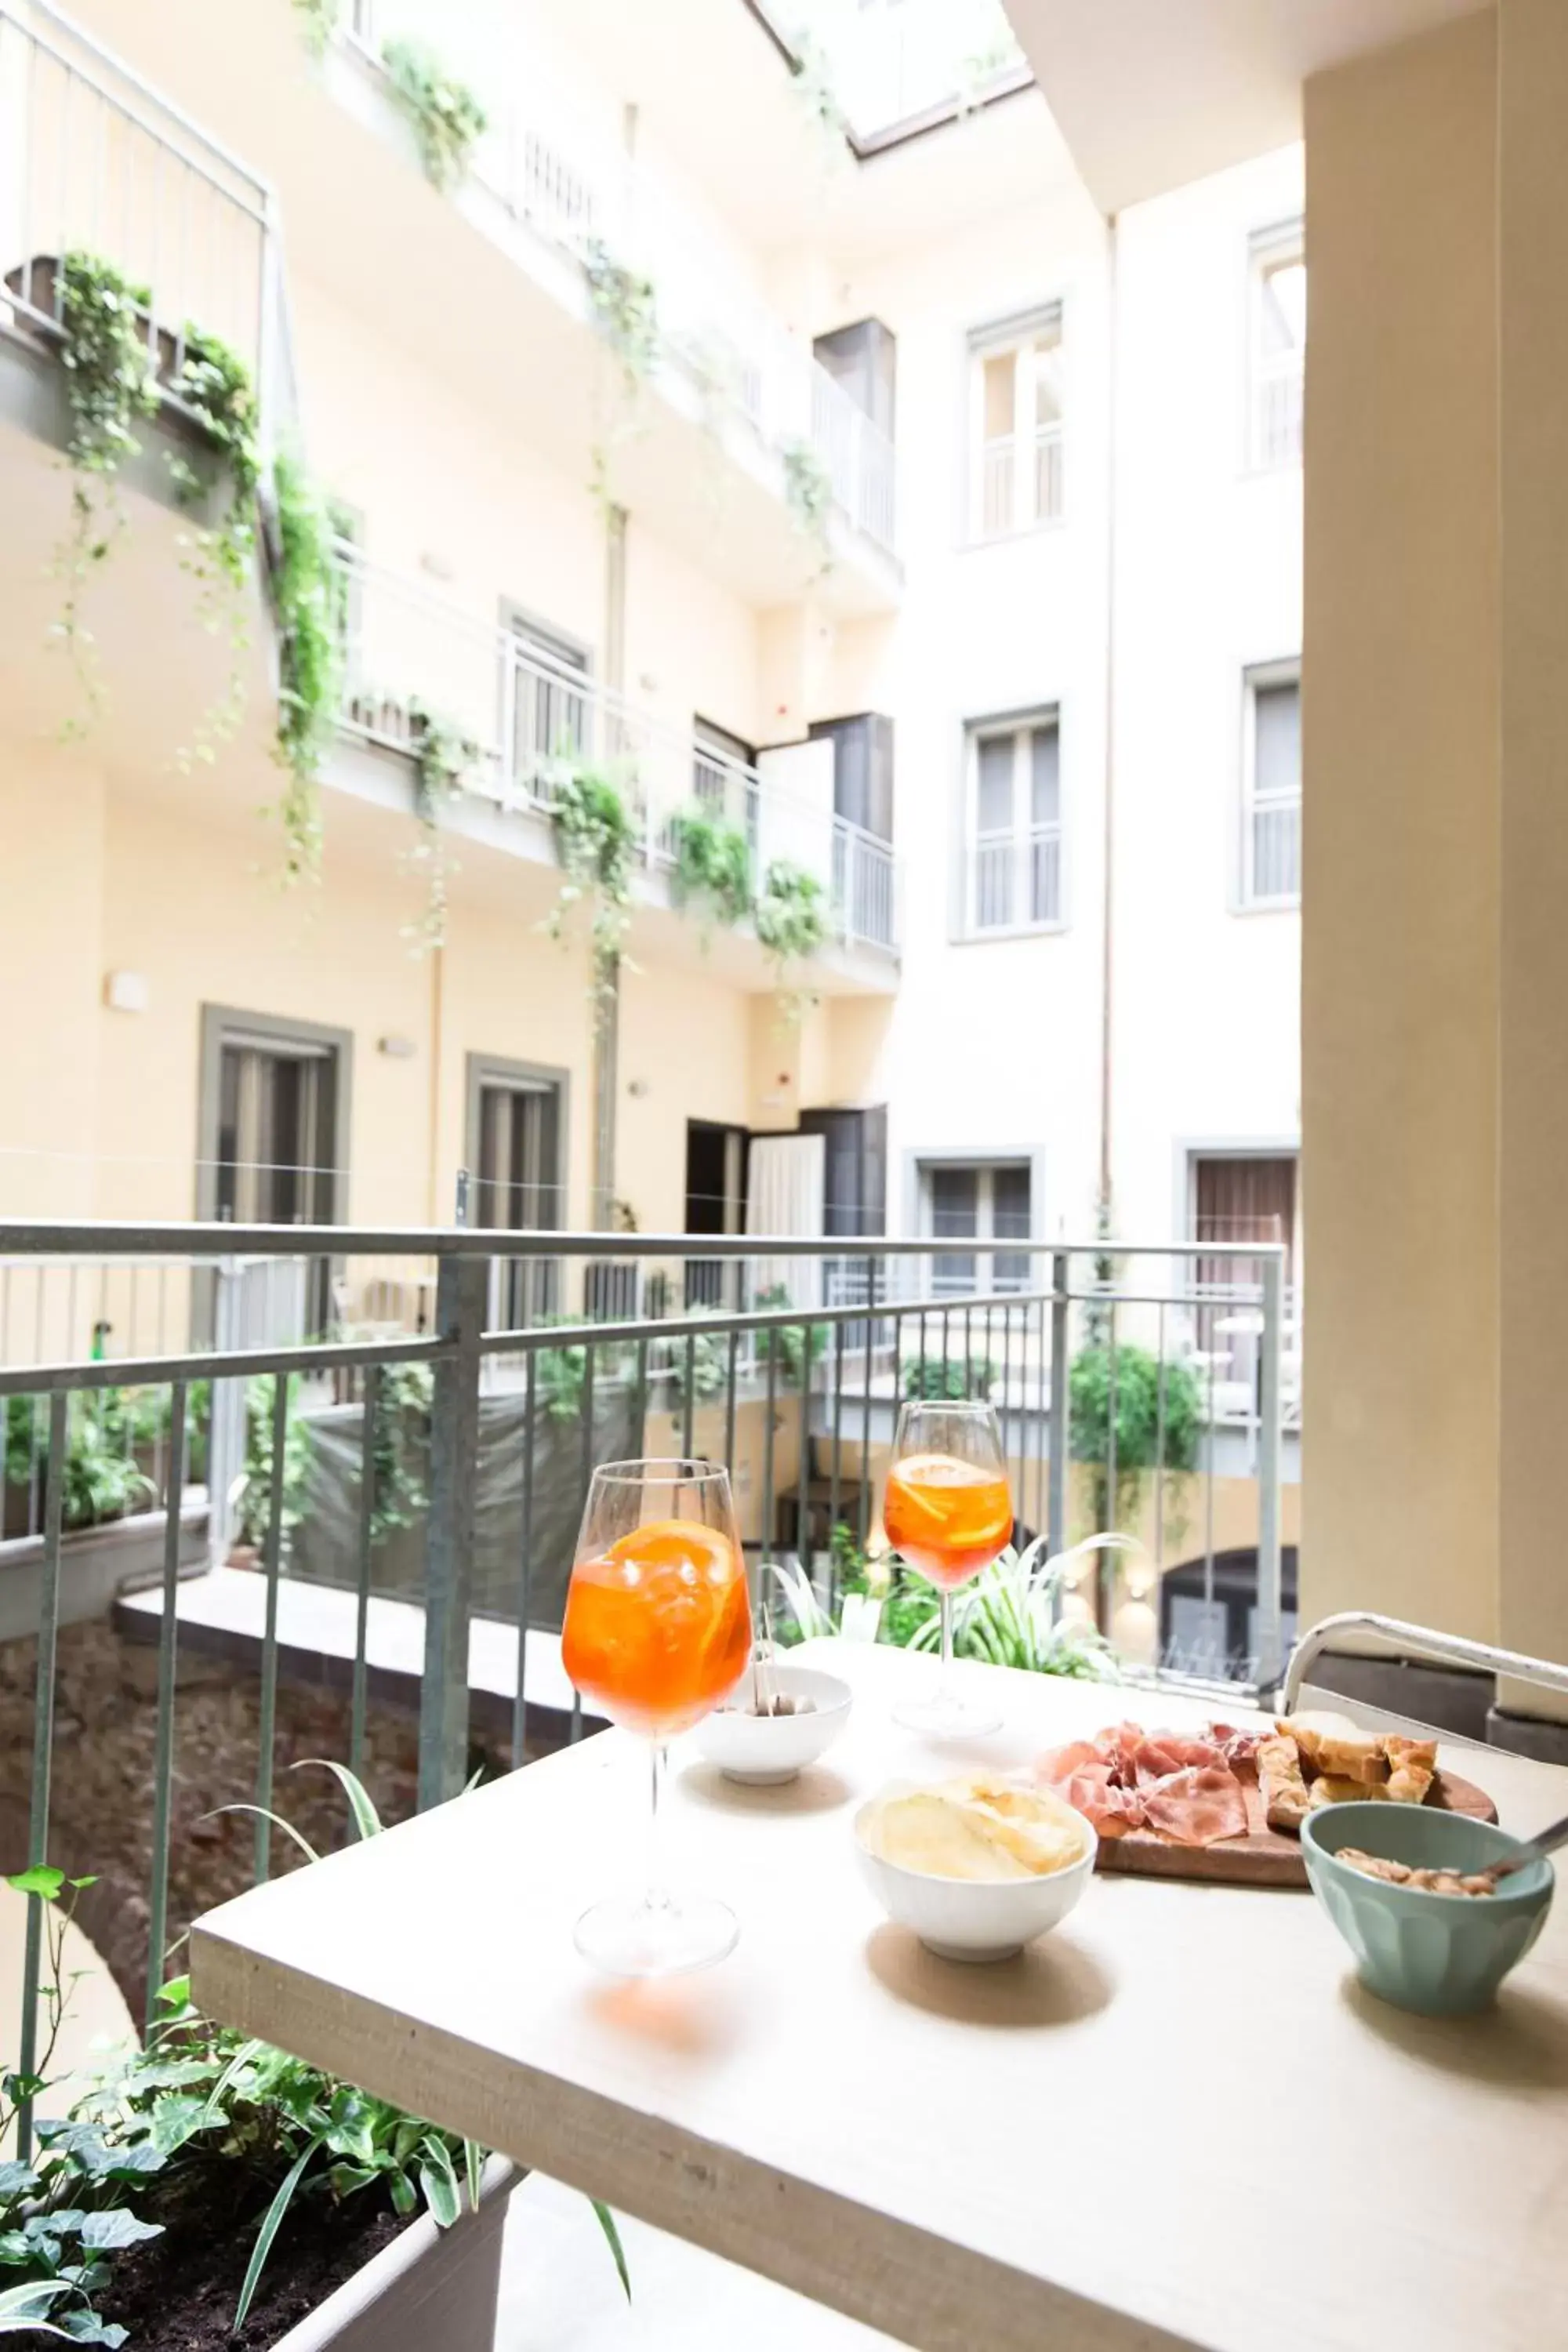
(637,1089)
(126,991)
(396,1049)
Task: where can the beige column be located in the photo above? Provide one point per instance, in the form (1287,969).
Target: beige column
(1401,882)
(1533,1129)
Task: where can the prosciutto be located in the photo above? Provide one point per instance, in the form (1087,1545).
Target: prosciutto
(1183,1789)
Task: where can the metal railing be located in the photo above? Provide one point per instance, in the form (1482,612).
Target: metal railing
(432,1478)
(552,170)
(1278,413)
(95,162)
(525,717)
(1014,881)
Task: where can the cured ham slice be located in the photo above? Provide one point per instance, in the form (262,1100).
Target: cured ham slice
(1198,1806)
(1180,1786)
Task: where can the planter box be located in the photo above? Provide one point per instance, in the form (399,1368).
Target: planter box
(96,1565)
(429,2288)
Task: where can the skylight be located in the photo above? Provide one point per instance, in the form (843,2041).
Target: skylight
(877,65)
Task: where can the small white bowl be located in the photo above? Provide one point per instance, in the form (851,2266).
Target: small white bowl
(765,1750)
(973,1919)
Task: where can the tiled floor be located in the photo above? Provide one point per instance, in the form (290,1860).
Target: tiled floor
(559,2291)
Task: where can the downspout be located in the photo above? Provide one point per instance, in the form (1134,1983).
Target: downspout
(1103,1205)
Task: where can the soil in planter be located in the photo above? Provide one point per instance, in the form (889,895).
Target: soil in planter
(179,2292)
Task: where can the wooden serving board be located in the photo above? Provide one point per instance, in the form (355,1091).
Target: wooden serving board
(1264,1857)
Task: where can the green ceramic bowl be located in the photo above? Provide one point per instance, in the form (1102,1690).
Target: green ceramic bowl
(1440,1954)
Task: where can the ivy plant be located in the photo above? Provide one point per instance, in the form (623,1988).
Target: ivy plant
(447,118)
(816,94)
(305,602)
(111,383)
(443,757)
(214,384)
(318,22)
(1150,1433)
(713,868)
(808,494)
(596,835)
(791,917)
(625,310)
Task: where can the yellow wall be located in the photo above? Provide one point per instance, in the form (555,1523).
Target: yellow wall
(1401,887)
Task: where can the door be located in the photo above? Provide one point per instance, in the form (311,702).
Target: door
(515,1129)
(273,1125)
(715,1204)
(855,1193)
(551,710)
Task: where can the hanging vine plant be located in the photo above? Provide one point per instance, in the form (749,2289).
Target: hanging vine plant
(447,118)
(305,599)
(596,835)
(625,310)
(791,917)
(817,95)
(110,384)
(808,494)
(318,22)
(712,872)
(444,759)
(214,384)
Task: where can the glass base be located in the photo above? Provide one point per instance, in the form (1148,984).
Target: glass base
(946,1716)
(627,1936)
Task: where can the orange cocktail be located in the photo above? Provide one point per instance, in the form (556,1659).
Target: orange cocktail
(658,1627)
(948,1518)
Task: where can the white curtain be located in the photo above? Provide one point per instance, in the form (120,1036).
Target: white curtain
(784,1191)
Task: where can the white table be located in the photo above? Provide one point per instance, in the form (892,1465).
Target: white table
(1175,2122)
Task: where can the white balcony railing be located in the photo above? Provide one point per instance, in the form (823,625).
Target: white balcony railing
(553,170)
(1014,881)
(1278,406)
(94,161)
(525,715)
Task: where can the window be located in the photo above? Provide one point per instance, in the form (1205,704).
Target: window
(1278,346)
(985,1202)
(516,1129)
(1012,870)
(1016,428)
(551,709)
(721,775)
(1236,1198)
(1271,816)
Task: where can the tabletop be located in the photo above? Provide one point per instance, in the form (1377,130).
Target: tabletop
(1177,2121)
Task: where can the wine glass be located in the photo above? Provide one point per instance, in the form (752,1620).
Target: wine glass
(948,1511)
(657,1630)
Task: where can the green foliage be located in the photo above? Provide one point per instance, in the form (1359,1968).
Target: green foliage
(67,2206)
(1138,1423)
(710,1366)
(808,494)
(254,1513)
(214,383)
(400,1446)
(814,89)
(791,919)
(1005,1617)
(595,835)
(306,604)
(318,22)
(447,118)
(110,384)
(713,868)
(940,1379)
(444,758)
(105,1431)
(625,311)
(790,1345)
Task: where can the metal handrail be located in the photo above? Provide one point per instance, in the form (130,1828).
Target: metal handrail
(1446,1649)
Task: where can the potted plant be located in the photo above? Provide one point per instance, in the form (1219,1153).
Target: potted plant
(210,2190)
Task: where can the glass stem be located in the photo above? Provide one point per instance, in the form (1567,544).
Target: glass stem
(658,1896)
(944,1684)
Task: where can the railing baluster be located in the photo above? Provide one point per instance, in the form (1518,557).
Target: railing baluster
(366,1538)
(865,1514)
(43,1756)
(272,1560)
(525,1572)
(163,1736)
(1061,1309)
(460,1287)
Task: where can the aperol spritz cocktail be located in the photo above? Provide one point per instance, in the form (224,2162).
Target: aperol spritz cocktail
(658,1631)
(948,1511)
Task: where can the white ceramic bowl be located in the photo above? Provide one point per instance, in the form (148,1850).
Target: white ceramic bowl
(973,1919)
(762,1750)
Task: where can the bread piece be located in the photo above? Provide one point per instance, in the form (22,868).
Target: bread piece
(1335,1788)
(1411,1765)
(1346,1756)
(1280,1782)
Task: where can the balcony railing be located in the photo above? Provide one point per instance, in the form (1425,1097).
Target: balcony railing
(1279,408)
(1014,881)
(94,161)
(382,1494)
(551,169)
(525,715)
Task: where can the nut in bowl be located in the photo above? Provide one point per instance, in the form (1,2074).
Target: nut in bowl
(1442,1954)
(976,1868)
(808,1709)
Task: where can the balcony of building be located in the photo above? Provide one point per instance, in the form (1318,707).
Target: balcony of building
(519,723)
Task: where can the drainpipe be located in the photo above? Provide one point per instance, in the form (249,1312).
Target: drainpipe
(1103,1216)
